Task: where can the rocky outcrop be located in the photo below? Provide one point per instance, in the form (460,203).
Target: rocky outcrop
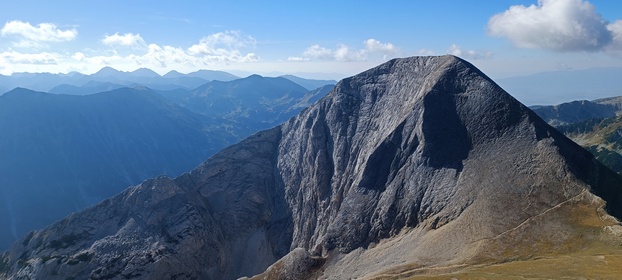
(418,163)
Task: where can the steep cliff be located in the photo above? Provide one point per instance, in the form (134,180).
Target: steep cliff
(418,164)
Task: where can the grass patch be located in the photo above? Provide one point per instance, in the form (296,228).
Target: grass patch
(561,267)
(568,242)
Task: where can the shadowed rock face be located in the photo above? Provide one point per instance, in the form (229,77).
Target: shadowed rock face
(421,161)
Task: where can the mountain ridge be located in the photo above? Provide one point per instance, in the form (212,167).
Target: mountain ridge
(256,101)
(396,169)
(78,83)
(67,152)
(93,146)
(580,110)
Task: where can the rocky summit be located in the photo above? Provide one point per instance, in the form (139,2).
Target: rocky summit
(420,166)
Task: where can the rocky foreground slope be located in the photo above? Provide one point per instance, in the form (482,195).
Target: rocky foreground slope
(420,165)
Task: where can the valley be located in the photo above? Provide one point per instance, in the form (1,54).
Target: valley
(67,152)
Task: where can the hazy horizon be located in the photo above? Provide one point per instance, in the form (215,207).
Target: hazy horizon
(502,39)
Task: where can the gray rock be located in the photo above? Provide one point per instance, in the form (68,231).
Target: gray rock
(420,160)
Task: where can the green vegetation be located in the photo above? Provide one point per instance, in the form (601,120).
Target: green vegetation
(607,157)
(602,137)
(586,126)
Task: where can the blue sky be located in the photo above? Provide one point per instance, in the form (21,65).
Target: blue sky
(338,38)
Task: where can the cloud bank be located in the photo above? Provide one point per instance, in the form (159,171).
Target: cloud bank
(43,58)
(43,32)
(556,25)
(123,51)
(126,40)
(345,53)
(468,54)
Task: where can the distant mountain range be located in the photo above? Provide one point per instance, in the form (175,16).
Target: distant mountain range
(65,151)
(578,111)
(62,153)
(109,78)
(419,168)
(562,86)
(309,83)
(602,137)
(596,125)
(250,103)
(47,82)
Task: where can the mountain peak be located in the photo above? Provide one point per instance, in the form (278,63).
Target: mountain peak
(145,72)
(421,162)
(212,75)
(173,74)
(254,76)
(106,71)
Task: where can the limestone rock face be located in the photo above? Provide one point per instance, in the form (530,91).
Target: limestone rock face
(419,162)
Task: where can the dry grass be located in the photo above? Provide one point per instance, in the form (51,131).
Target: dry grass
(561,267)
(599,262)
(581,249)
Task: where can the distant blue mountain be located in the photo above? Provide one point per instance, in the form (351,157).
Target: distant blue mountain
(211,75)
(63,153)
(579,111)
(252,103)
(67,151)
(86,89)
(109,78)
(309,83)
(72,83)
(563,86)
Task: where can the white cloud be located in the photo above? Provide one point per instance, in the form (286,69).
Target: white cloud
(43,32)
(316,51)
(297,58)
(214,51)
(372,47)
(222,47)
(222,43)
(558,25)
(105,60)
(615,47)
(78,56)
(469,54)
(344,53)
(13,57)
(125,40)
(162,56)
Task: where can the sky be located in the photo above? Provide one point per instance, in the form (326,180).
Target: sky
(314,39)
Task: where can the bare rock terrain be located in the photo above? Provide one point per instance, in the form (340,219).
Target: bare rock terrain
(419,166)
